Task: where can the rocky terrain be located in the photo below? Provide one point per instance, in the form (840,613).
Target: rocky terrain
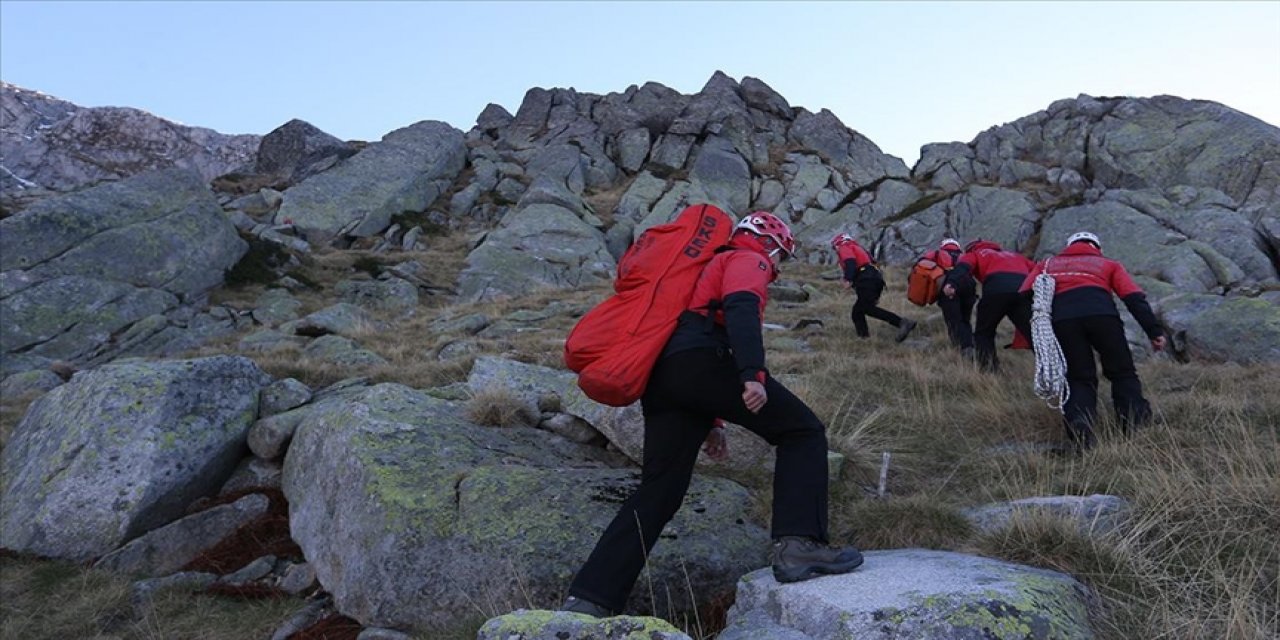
(122,234)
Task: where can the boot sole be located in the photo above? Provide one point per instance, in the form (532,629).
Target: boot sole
(799,574)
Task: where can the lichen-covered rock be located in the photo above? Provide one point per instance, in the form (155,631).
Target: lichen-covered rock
(271,340)
(406,171)
(525,624)
(165,550)
(123,449)
(540,246)
(283,395)
(26,383)
(409,512)
(394,296)
(915,593)
(1223,328)
(340,350)
(275,307)
(344,319)
(1184,236)
(78,269)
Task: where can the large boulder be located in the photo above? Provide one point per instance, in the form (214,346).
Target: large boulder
(51,146)
(297,150)
(914,593)
(406,171)
(410,514)
(1224,328)
(123,449)
(539,246)
(1144,244)
(77,269)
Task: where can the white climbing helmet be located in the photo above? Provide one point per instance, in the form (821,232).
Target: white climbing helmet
(1084,236)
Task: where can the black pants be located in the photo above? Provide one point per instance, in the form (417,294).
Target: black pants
(687,392)
(1079,338)
(868,288)
(992,308)
(957,313)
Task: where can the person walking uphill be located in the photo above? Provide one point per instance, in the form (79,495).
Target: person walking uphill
(712,367)
(1001,274)
(1085,320)
(957,311)
(864,277)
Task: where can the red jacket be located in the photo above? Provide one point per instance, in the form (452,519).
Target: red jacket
(853,259)
(727,310)
(1085,281)
(998,270)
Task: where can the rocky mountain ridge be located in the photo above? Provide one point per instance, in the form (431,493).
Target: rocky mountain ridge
(1185,193)
(52,146)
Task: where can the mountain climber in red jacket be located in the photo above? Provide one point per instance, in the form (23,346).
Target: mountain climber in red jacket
(1085,320)
(957,311)
(1001,274)
(713,367)
(864,277)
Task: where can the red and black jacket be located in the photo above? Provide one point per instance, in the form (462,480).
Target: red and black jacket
(998,270)
(727,310)
(1085,282)
(855,261)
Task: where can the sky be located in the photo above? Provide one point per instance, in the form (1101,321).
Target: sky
(904,74)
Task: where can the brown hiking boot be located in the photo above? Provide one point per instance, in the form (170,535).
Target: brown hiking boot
(796,559)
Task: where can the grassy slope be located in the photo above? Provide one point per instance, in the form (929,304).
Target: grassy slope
(1199,561)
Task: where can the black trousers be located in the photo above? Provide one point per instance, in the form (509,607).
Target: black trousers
(1079,338)
(868,288)
(992,308)
(687,392)
(957,313)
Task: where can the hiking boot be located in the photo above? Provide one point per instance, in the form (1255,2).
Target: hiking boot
(578,605)
(796,559)
(904,329)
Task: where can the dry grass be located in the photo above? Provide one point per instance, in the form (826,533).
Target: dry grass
(41,599)
(499,408)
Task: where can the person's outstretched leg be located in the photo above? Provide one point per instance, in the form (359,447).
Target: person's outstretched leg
(859,316)
(1080,412)
(1132,409)
(671,443)
(799,524)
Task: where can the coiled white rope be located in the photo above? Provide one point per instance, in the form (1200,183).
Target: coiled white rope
(1051,365)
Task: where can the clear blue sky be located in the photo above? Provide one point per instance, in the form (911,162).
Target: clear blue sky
(903,74)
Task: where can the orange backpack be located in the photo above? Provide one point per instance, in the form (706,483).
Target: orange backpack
(614,346)
(925,280)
